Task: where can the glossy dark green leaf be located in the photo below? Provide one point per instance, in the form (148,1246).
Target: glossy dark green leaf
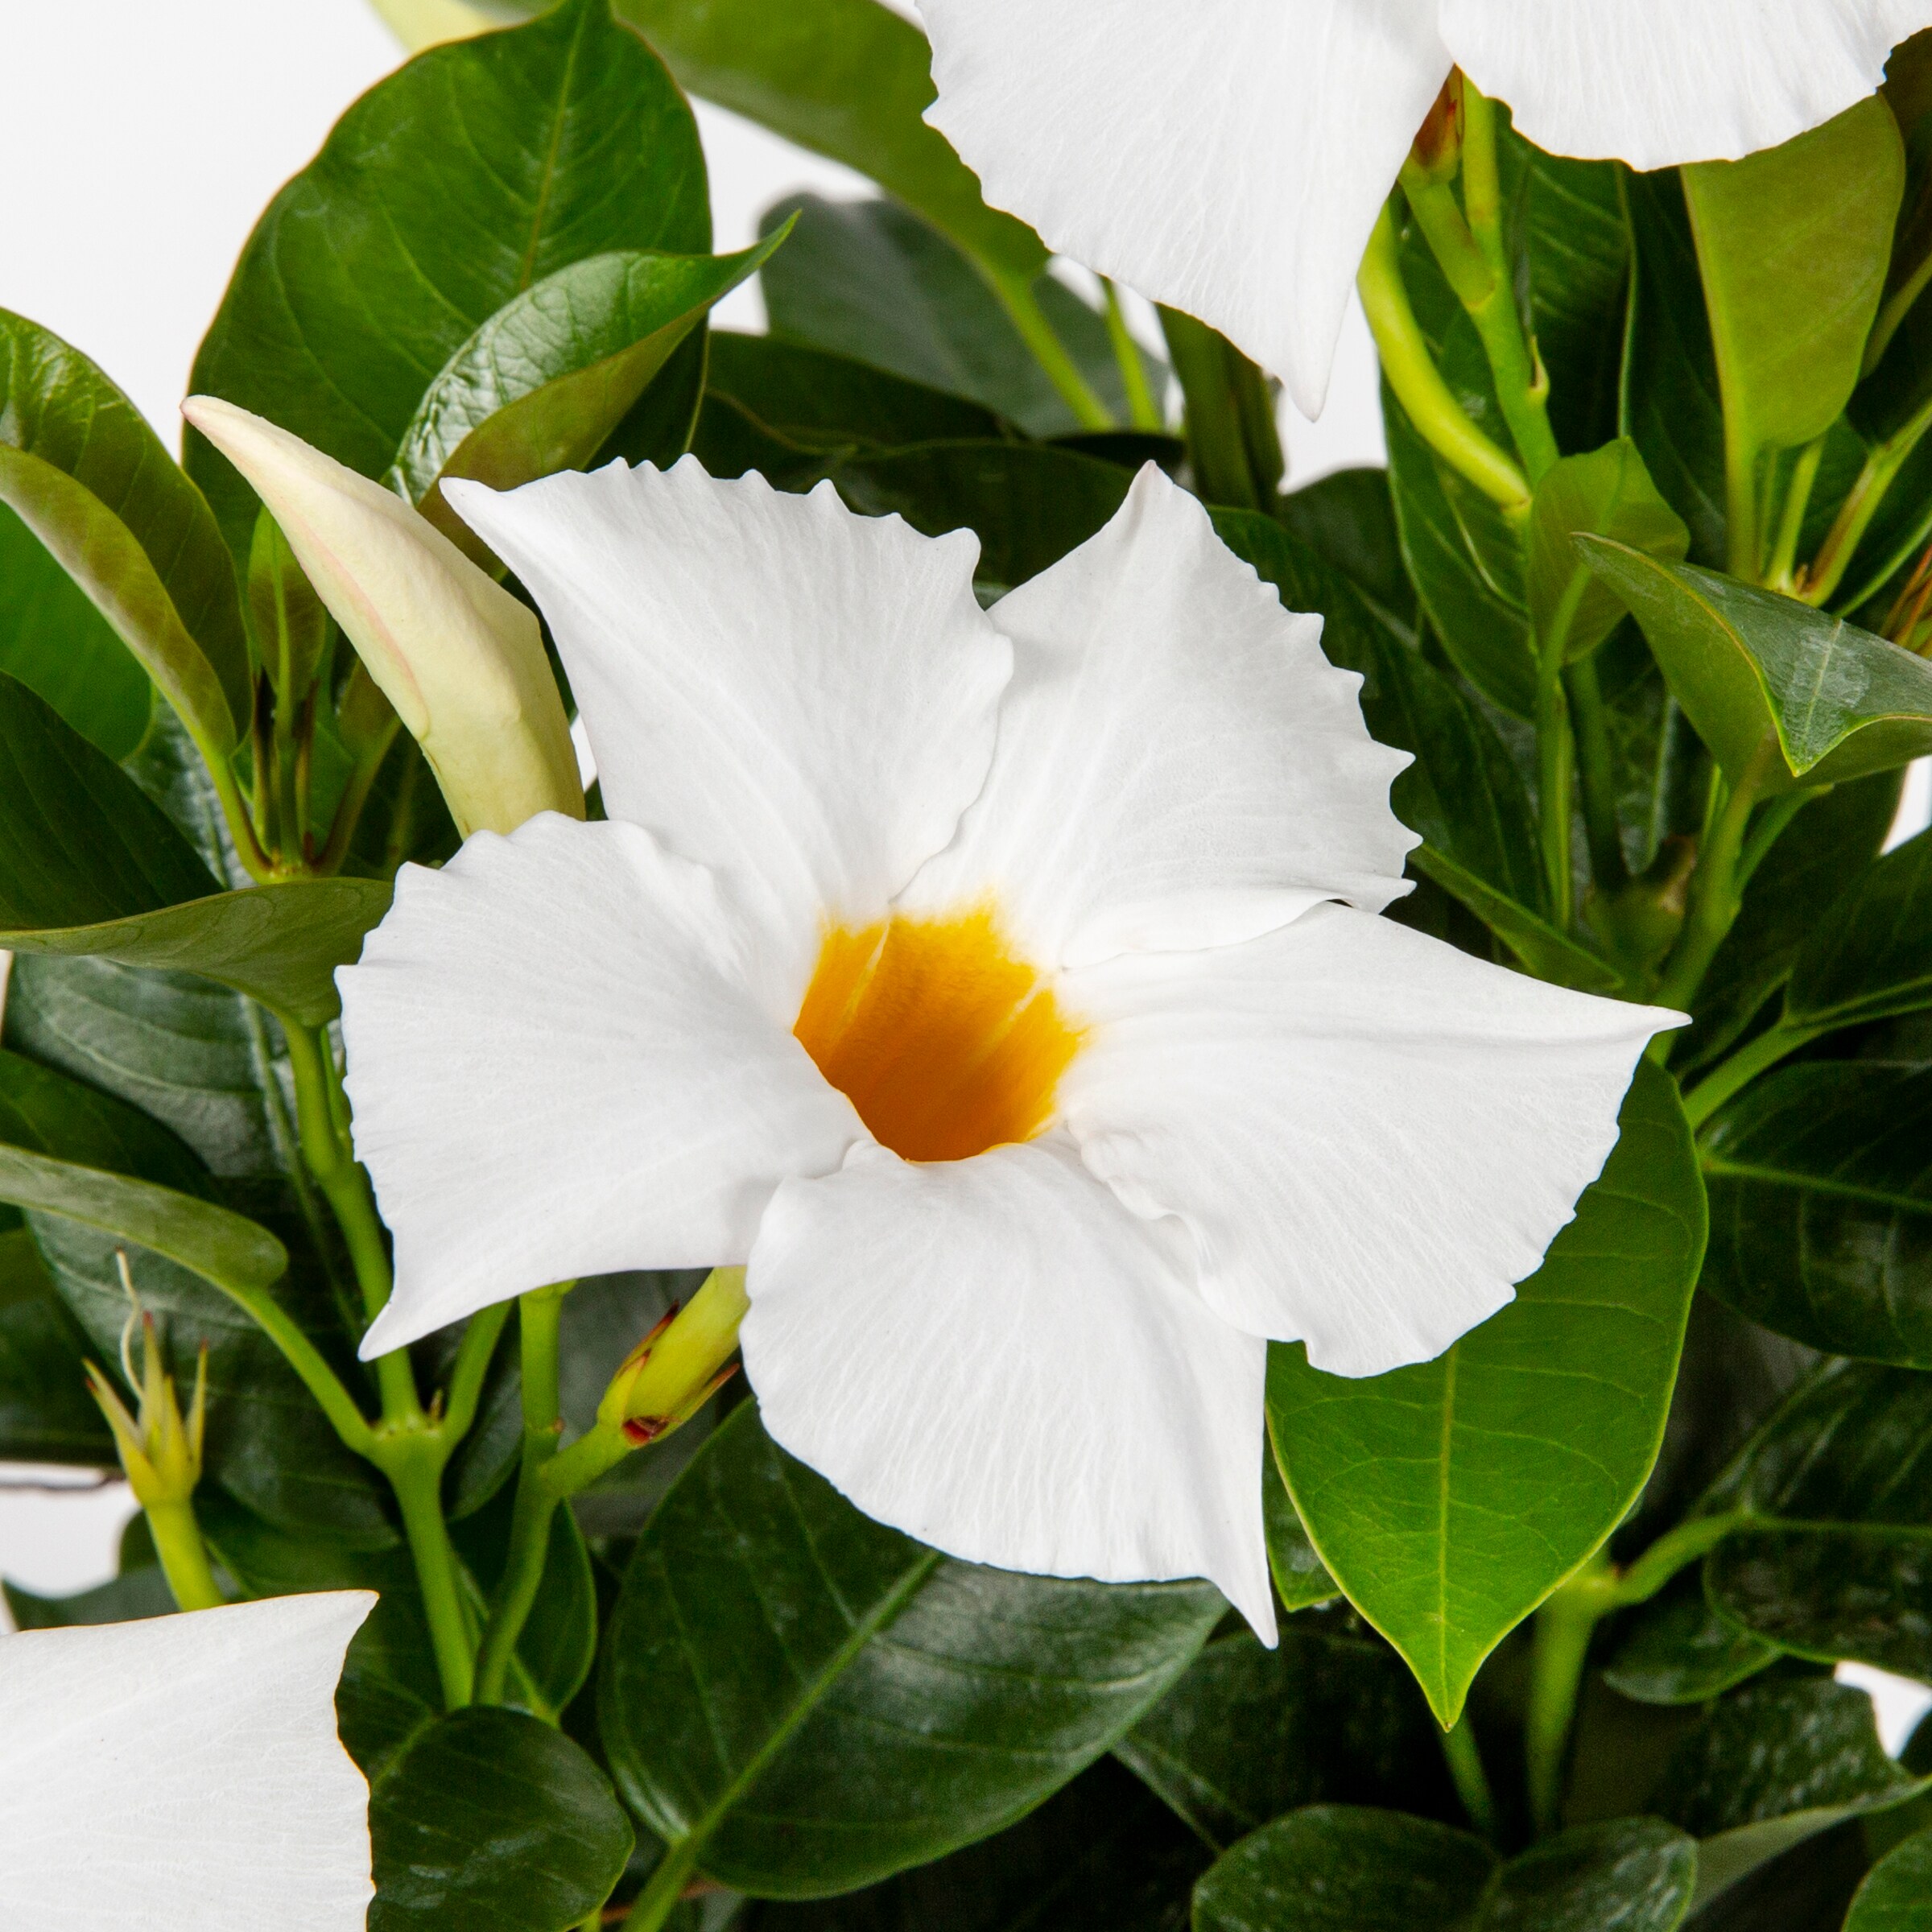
(1030,504)
(1329,1717)
(1103,1855)
(58,644)
(1300,1579)
(1745,662)
(846,78)
(1335,1869)
(870,280)
(1831,1593)
(488,1821)
(1823,853)
(1606,493)
(46,1412)
(1820,1178)
(544,384)
(1869,958)
(1679,1651)
(1541,947)
(122,1599)
(78,841)
(280,944)
(81,467)
(1669,406)
(1348,519)
(1771,1766)
(1896,1896)
(1793,243)
(472,173)
(1449,1499)
(805,1701)
(818,400)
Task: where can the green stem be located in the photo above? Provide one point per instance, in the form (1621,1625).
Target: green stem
(1472,1781)
(473,1354)
(183,1555)
(1781,573)
(1876,476)
(1143,411)
(1233,447)
(355,798)
(1713,898)
(1669,1553)
(1410,371)
(1555,759)
(664,1888)
(1018,299)
(1596,775)
(1754,1058)
(413,1460)
(1564,1629)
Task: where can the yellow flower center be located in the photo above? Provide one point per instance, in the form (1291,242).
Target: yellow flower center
(945,1042)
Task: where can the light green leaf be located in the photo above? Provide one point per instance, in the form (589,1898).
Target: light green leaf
(461,180)
(1793,243)
(1299,1578)
(1449,1499)
(541,385)
(280,944)
(1746,663)
(1606,493)
(85,472)
(1896,1895)
(802,1701)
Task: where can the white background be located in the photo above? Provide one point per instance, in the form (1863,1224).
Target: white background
(140,139)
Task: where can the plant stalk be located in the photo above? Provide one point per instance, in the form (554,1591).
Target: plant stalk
(1022,306)
(1564,1627)
(1143,409)
(183,1555)
(1472,1780)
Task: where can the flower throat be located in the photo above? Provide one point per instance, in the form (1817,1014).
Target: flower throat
(945,1043)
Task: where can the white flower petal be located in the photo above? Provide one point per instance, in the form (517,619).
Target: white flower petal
(184,1774)
(1659,82)
(1371,1135)
(1226,157)
(995,1357)
(558,1067)
(1178,764)
(800,698)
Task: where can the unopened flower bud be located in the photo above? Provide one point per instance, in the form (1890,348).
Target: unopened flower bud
(160,1450)
(1438,144)
(461,659)
(680,1365)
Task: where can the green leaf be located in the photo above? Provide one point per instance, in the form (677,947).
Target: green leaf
(1793,243)
(1328,1718)
(1820,1178)
(871,281)
(1745,662)
(1771,1766)
(1029,505)
(1449,1499)
(82,469)
(804,1701)
(1896,1896)
(1103,1855)
(542,386)
(1300,1580)
(820,400)
(1679,1651)
(1870,959)
(46,1412)
(290,624)
(1348,519)
(1539,947)
(1606,493)
(845,78)
(55,641)
(473,172)
(79,842)
(280,944)
(488,1821)
(1335,1869)
(1669,406)
(123,1600)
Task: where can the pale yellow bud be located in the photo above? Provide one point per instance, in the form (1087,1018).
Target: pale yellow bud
(678,1367)
(461,659)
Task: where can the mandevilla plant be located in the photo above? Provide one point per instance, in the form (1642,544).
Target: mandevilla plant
(1304,1111)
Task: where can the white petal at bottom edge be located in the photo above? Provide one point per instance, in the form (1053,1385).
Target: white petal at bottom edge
(1660,82)
(1371,1135)
(559,1067)
(994,1357)
(184,1774)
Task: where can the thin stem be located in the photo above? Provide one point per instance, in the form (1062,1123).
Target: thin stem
(664,1888)
(1669,1553)
(1596,775)
(1781,573)
(413,1462)
(183,1555)
(1233,446)
(1411,371)
(234,809)
(1143,411)
(1465,1761)
(1775,1043)
(1022,306)
(1564,1629)
(1555,767)
(1876,476)
(473,1354)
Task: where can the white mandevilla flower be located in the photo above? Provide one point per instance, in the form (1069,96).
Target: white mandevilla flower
(1228,157)
(184,1774)
(1005,990)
